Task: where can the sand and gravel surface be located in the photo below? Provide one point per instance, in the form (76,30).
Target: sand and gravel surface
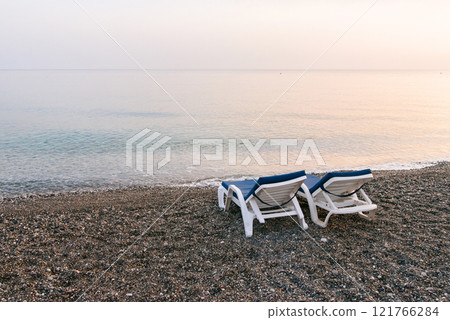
(57,247)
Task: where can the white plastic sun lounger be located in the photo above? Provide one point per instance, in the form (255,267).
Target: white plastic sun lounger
(265,198)
(337,192)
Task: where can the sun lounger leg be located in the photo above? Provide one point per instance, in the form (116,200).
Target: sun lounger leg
(221,194)
(248,222)
(256,210)
(369,216)
(247,216)
(228,199)
(301,217)
(228,194)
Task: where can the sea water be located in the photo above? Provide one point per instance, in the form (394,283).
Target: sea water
(64,130)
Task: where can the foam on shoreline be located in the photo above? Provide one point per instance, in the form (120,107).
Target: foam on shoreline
(214,182)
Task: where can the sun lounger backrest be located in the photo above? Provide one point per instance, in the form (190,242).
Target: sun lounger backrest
(344,183)
(277,190)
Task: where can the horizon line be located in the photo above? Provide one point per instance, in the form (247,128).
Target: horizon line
(217,69)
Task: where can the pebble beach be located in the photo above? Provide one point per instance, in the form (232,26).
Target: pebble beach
(175,244)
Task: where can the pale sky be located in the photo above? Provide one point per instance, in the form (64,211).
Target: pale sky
(393,34)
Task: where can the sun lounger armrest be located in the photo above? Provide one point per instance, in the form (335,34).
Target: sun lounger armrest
(239,194)
(311,204)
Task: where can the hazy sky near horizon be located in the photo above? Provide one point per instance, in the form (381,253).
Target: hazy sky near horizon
(393,34)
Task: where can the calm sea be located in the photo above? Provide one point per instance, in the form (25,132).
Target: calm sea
(67,130)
